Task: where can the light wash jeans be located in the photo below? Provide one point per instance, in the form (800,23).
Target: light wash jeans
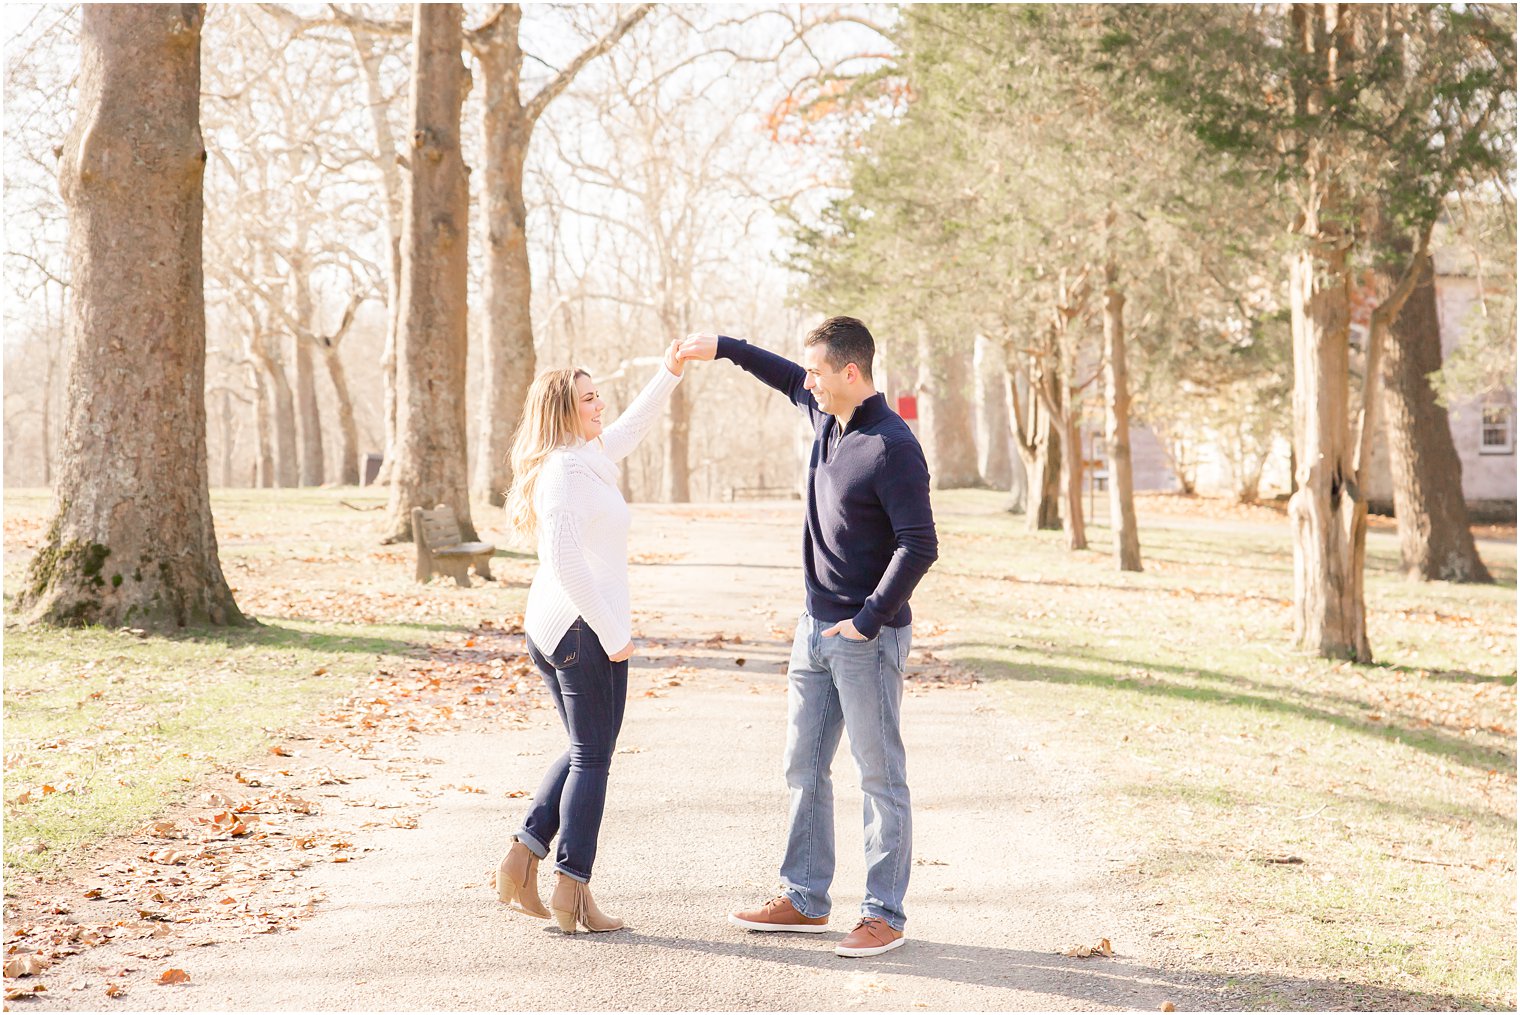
(837,685)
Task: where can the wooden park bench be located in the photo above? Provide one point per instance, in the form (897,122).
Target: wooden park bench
(440,551)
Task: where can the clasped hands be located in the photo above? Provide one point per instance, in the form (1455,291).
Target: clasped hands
(700,345)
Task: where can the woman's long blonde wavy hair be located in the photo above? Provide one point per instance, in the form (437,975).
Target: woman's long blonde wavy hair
(550,420)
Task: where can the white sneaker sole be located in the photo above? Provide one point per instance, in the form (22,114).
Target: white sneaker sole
(772,928)
(858,953)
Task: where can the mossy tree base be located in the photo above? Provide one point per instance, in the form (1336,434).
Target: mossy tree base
(73,583)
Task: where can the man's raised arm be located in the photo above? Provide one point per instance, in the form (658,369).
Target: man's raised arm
(777,371)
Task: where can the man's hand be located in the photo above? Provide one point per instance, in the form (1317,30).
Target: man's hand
(846,630)
(622,654)
(702,345)
(673,361)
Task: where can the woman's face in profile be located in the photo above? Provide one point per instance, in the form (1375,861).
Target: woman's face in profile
(589,406)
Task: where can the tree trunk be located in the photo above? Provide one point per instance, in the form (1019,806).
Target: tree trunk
(225,426)
(1328,512)
(1072,521)
(678,446)
(508,361)
(264,466)
(282,412)
(1121,486)
(1039,450)
(993,458)
(348,429)
(132,540)
(1019,465)
(1044,513)
(945,414)
(390,192)
(431,456)
(308,418)
(1435,537)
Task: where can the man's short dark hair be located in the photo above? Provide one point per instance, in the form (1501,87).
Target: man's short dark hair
(844,340)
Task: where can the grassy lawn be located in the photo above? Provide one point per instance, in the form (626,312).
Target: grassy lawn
(1285,818)
(1285,813)
(104,728)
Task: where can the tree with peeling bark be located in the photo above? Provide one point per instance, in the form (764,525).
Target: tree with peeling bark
(132,540)
(508,361)
(431,465)
(1369,114)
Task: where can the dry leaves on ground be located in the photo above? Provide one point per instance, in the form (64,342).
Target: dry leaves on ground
(1100,950)
(232,864)
(24,963)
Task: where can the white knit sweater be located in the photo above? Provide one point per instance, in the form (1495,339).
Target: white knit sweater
(583,530)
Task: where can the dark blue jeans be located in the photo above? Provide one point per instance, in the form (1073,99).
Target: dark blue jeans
(589,692)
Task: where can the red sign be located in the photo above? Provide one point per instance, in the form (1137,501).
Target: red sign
(907,407)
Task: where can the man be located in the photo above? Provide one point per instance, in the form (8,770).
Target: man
(869,539)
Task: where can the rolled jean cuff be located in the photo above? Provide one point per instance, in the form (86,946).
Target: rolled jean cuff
(572,875)
(897,923)
(535,847)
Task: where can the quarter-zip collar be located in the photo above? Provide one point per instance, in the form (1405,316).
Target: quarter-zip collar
(872,410)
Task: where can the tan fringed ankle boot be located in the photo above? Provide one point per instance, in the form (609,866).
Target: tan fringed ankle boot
(573,906)
(517,881)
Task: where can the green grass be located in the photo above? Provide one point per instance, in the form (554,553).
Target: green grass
(1215,745)
(129,724)
(1220,747)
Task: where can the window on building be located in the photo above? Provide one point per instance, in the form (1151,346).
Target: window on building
(1498,430)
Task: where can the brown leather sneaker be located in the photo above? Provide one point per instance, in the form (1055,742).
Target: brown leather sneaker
(871,936)
(779,914)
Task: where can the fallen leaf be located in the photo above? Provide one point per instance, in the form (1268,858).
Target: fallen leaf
(172,976)
(279,751)
(24,964)
(1168,1006)
(115,990)
(1101,949)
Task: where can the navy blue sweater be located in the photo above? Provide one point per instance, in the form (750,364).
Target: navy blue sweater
(870,531)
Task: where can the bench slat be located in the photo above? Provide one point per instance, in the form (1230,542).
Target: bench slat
(464,550)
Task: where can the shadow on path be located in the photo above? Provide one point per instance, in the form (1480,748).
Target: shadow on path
(1112,981)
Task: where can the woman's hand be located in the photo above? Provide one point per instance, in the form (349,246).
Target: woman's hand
(622,654)
(674,363)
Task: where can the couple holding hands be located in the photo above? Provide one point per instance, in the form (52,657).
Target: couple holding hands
(869,539)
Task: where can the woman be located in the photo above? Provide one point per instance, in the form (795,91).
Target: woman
(565,493)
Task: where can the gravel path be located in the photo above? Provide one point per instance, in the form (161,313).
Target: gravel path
(1008,873)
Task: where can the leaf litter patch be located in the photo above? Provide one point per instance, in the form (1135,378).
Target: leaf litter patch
(229,865)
